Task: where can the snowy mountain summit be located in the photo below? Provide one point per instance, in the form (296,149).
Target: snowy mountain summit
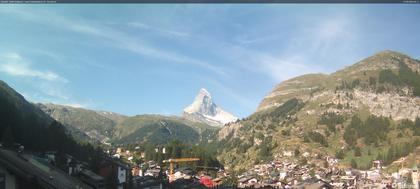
(204,110)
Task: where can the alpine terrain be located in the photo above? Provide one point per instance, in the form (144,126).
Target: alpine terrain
(204,110)
(367,111)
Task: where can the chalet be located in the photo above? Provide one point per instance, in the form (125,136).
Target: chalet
(314,184)
(317,186)
(51,155)
(217,181)
(415,176)
(287,153)
(247,182)
(243,181)
(135,171)
(154,172)
(377,164)
(115,168)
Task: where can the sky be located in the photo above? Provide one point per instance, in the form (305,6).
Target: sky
(153,59)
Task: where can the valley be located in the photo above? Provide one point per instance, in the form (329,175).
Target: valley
(332,127)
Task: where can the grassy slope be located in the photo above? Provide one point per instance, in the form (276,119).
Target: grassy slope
(154,128)
(83,119)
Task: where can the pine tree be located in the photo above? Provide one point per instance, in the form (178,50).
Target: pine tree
(357,152)
(339,154)
(353,164)
(417,127)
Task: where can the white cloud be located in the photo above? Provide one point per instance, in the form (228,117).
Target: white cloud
(172,57)
(282,69)
(133,44)
(139,25)
(326,36)
(49,87)
(117,38)
(53,91)
(54,94)
(159,30)
(242,100)
(247,40)
(14,65)
(318,45)
(75,105)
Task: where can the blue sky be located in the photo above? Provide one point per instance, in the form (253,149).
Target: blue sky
(137,59)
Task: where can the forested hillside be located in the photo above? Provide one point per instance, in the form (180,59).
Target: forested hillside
(22,123)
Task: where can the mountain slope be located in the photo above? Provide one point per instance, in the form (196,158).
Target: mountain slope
(204,110)
(20,121)
(13,103)
(160,129)
(364,77)
(23,123)
(98,125)
(371,105)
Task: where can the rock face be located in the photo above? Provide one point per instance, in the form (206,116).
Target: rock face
(392,105)
(204,110)
(308,86)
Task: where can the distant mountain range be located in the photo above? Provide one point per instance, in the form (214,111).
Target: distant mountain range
(108,127)
(204,110)
(101,126)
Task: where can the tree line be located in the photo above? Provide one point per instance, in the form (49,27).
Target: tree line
(405,76)
(178,149)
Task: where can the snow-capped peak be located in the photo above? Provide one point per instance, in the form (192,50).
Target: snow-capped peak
(203,109)
(202,103)
(204,92)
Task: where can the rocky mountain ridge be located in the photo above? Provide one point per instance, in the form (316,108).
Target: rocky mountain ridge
(314,113)
(97,125)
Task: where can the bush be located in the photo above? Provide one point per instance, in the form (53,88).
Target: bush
(318,137)
(387,76)
(331,119)
(353,164)
(339,154)
(405,76)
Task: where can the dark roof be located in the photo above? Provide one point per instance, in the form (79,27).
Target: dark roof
(315,186)
(118,162)
(92,175)
(32,169)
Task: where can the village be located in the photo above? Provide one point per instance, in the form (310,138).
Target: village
(324,172)
(119,166)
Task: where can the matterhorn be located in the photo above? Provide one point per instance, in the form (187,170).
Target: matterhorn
(204,110)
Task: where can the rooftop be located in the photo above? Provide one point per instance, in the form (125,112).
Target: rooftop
(32,168)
